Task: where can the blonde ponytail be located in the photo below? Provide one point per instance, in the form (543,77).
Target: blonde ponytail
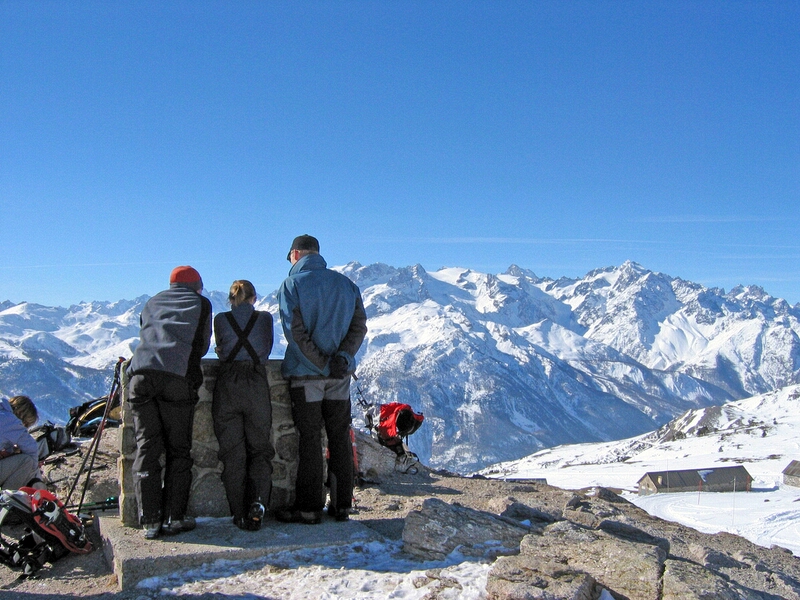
(241,292)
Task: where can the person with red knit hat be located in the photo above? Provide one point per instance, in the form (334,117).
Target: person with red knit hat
(186,274)
(165,375)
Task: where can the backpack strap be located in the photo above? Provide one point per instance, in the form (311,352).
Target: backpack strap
(242,334)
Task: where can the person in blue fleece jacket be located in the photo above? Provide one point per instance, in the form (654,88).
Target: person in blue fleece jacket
(324,321)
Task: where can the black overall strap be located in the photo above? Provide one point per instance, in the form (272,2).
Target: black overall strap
(243,342)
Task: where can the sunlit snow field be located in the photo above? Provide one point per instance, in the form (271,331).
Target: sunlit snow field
(760,433)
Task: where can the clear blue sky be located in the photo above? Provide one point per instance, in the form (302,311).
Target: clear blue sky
(559,136)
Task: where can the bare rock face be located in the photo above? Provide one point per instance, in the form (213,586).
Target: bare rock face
(518,578)
(534,515)
(628,568)
(689,581)
(599,543)
(439,528)
(375,462)
(546,543)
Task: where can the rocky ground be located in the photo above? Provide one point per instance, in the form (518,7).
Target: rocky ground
(561,544)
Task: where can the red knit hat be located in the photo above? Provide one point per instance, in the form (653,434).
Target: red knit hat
(185,274)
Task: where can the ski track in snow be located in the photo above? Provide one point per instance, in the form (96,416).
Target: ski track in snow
(765,517)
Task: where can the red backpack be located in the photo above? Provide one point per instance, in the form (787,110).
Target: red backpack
(390,424)
(395,422)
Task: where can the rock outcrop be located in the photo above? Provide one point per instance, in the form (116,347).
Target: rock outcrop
(600,544)
(440,528)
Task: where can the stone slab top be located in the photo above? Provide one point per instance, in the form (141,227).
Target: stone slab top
(134,559)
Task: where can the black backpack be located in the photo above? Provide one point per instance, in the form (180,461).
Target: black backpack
(84,419)
(51,438)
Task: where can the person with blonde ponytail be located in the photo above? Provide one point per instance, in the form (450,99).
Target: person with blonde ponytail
(241,407)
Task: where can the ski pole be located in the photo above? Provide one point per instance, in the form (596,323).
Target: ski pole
(361,400)
(95,443)
(111,503)
(114,391)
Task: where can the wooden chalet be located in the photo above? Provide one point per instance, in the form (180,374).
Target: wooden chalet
(715,479)
(791,474)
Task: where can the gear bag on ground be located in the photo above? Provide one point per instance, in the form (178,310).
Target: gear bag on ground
(390,424)
(84,419)
(395,421)
(51,438)
(49,531)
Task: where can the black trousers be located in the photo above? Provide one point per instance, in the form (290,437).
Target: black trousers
(163,415)
(243,422)
(309,418)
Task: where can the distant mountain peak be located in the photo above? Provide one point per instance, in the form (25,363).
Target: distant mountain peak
(516,271)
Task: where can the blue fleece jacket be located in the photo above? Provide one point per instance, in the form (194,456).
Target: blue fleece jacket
(322,315)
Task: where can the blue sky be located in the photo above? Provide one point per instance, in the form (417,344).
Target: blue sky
(559,136)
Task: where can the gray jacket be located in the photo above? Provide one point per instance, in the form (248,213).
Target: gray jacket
(322,315)
(175,334)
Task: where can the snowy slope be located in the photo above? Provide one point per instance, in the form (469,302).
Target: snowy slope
(509,363)
(62,357)
(745,341)
(761,433)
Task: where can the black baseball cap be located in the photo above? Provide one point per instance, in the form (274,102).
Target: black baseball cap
(303,242)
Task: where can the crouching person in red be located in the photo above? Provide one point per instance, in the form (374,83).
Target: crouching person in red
(19,452)
(165,375)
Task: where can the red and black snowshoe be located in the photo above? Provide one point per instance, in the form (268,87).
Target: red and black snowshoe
(50,531)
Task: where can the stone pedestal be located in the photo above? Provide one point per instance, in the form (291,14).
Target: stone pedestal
(207,496)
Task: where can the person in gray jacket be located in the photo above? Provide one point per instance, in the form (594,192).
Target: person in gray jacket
(165,374)
(324,322)
(241,406)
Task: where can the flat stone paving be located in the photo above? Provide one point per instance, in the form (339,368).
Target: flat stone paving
(134,559)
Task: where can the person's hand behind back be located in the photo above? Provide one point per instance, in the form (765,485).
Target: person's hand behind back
(338,367)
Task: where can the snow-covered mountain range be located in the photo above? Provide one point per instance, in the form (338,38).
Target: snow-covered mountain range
(501,365)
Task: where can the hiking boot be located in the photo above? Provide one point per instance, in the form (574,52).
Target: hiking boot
(340,514)
(292,515)
(151,530)
(176,526)
(246,524)
(256,514)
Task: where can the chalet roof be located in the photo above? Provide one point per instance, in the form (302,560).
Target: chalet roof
(792,469)
(692,478)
